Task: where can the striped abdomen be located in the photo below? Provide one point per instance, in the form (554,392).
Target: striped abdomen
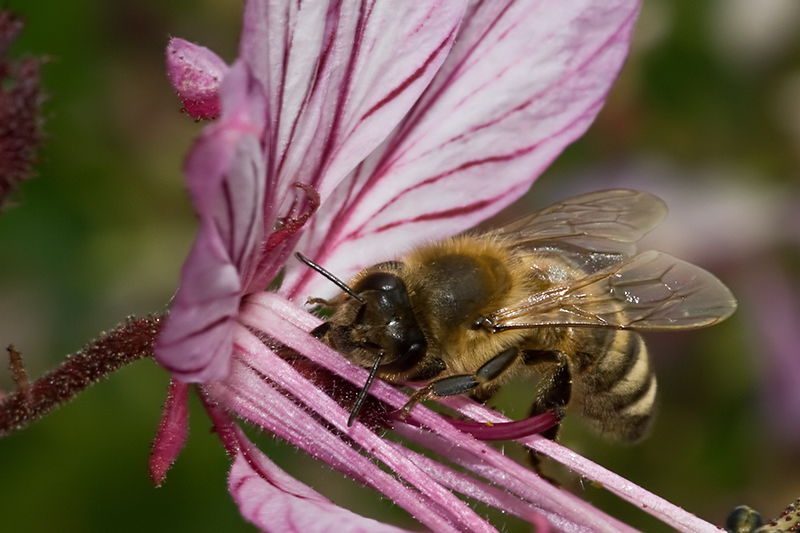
(613,384)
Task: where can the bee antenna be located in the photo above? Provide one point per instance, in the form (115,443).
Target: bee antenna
(363,394)
(339,283)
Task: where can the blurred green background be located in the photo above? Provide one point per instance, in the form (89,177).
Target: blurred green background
(706,114)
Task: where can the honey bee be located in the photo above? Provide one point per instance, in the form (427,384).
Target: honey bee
(559,292)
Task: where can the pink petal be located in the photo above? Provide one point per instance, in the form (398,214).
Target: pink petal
(267,495)
(477,490)
(172,432)
(564,510)
(523,81)
(225,175)
(339,76)
(275,502)
(665,511)
(196,72)
(196,341)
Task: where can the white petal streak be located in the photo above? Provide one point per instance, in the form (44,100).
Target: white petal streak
(523,80)
(340,76)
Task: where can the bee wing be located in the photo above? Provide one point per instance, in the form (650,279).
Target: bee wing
(651,291)
(604,222)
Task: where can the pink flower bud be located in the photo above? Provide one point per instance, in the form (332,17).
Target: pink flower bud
(196,72)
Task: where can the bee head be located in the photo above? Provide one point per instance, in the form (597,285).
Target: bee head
(386,322)
(375,327)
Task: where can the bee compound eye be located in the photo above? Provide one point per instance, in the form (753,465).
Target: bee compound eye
(416,350)
(479,323)
(387,297)
(384,282)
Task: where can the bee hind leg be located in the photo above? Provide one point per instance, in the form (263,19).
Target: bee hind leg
(555,393)
(463,383)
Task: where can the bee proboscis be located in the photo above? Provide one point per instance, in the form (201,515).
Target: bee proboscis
(560,292)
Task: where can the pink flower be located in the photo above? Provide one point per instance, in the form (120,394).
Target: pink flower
(353,130)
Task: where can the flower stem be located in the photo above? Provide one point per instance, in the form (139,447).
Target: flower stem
(124,344)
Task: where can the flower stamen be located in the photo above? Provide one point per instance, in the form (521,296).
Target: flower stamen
(292,224)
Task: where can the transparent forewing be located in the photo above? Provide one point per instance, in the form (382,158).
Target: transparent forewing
(651,291)
(605,222)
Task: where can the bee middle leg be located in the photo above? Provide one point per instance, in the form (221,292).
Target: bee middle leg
(463,383)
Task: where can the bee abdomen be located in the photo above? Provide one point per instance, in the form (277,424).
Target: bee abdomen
(617,393)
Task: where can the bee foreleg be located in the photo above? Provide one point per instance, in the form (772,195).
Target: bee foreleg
(463,383)
(319,301)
